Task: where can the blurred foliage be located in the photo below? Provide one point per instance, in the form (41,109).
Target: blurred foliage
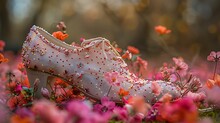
(215,115)
(194,23)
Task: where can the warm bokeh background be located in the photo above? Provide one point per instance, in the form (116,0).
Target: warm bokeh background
(195,24)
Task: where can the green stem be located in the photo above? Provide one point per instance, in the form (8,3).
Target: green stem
(166,48)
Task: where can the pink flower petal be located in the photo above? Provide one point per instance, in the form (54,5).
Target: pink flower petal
(156,89)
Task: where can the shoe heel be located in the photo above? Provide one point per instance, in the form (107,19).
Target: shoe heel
(43,81)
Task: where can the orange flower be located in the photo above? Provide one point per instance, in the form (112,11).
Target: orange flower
(139,105)
(217,79)
(16,101)
(210,83)
(11,85)
(133,50)
(127,55)
(162,30)
(166,98)
(60,35)
(3,59)
(123,92)
(18,119)
(25,82)
(20,67)
(118,49)
(60,82)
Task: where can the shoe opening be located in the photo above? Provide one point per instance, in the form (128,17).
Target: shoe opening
(54,40)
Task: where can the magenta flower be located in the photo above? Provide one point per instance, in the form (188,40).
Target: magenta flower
(159,76)
(2,45)
(121,113)
(153,113)
(80,112)
(214,56)
(114,78)
(82,39)
(105,106)
(181,66)
(18,88)
(78,109)
(137,118)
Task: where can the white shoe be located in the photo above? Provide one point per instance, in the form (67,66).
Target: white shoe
(87,67)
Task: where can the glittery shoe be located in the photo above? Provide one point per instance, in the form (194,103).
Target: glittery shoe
(95,67)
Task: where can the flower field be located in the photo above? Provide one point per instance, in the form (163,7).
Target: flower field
(199,86)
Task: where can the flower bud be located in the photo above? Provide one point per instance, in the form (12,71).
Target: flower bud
(45,93)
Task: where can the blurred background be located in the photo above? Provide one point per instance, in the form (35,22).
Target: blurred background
(195,24)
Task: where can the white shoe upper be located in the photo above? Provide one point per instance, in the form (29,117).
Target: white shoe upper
(86,66)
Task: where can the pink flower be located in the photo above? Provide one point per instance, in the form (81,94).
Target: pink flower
(48,112)
(78,109)
(105,106)
(166,98)
(114,78)
(2,45)
(173,78)
(196,96)
(82,39)
(214,56)
(121,113)
(141,66)
(137,118)
(166,72)
(139,105)
(159,76)
(181,111)
(81,112)
(156,89)
(45,93)
(195,84)
(181,66)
